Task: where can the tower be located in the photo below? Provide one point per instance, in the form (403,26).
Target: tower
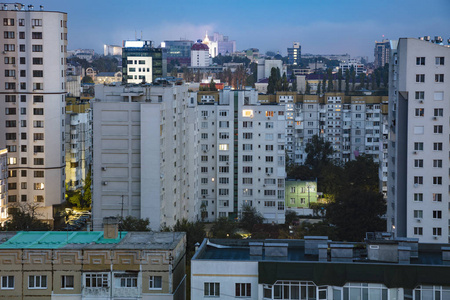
(32,105)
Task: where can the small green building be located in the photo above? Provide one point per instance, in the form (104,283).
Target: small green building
(300,194)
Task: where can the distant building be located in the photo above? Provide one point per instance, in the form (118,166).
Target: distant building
(357,67)
(339,57)
(3,185)
(178,50)
(93,265)
(265,67)
(200,56)
(294,54)
(108,77)
(419,110)
(141,62)
(300,194)
(219,44)
(78,142)
(317,268)
(381,53)
(112,50)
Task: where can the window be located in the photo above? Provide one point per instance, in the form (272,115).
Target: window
(8,34)
(438,128)
(437,230)
(247,158)
(418,231)
(247,180)
(243,290)
(437,146)
(204,169)
(224,158)
(418,214)
(127,281)
(437,214)
(440,61)
(36,48)
(212,289)
(418,163)
(38,61)
(438,112)
(38,136)
(223,147)
(269,147)
(223,169)
(420,112)
(247,135)
(269,124)
(224,203)
(7,282)
(437,197)
(437,163)
(10,73)
(155,283)
(269,158)
(38,198)
(38,186)
(38,174)
(96,280)
(9,47)
(37,282)
(269,203)
(418,180)
(11,136)
(420,95)
(38,86)
(269,136)
(437,180)
(204,158)
(10,123)
(418,146)
(67,281)
(224,135)
(224,180)
(247,147)
(439,78)
(10,98)
(247,169)
(224,124)
(420,77)
(36,22)
(224,192)
(38,73)
(10,86)
(39,161)
(8,22)
(420,61)
(247,192)
(36,35)
(38,111)
(247,124)
(38,99)
(10,60)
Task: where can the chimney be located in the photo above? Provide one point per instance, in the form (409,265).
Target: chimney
(110,227)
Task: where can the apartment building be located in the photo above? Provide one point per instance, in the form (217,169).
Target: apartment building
(319,269)
(142,62)
(92,265)
(419,110)
(32,104)
(241,154)
(143,153)
(381,53)
(3,184)
(78,141)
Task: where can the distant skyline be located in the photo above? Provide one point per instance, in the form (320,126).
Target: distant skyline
(321,27)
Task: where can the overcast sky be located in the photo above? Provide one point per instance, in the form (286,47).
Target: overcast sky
(321,26)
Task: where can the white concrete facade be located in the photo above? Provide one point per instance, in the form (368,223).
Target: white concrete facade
(143,155)
(419,109)
(200,58)
(241,156)
(33,103)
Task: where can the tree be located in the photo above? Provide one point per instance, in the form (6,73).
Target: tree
(130,223)
(330,80)
(25,217)
(319,89)
(87,195)
(284,83)
(347,81)
(318,153)
(249,217)
(324,83)
(356,211)
(212,85)
(290,217)
(224,228)
(340,80)
(195,233)
(294,86)
(74,197)
(362,172)
(87,79)
(274,81)
(308,89)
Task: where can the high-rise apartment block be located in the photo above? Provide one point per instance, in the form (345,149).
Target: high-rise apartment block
(419,110)
(143,155)
(3,184)
(32,104)
(381,53)
(241,155)
(142,62)
(294,54)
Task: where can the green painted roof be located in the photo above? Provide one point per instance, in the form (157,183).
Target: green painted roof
(56,239)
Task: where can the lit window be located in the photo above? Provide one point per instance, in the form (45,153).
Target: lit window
(248,113)
(223,147)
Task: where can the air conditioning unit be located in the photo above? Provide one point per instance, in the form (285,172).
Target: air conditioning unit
(268,174)
(204,196)
(105,182)
(421,101)
(205,118)
(435,237)
(435,118)
(264,185)
(414,152)
(103,168)
(228,163)
(416,184)
(204,151)
(418,220)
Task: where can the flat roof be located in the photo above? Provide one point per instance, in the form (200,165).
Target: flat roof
(88,240)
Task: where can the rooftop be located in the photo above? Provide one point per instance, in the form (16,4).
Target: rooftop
(88,240)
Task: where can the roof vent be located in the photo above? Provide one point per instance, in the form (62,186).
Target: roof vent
(30,7)
(5,7)
(41,8)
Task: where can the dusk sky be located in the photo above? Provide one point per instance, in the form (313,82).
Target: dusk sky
(321,27)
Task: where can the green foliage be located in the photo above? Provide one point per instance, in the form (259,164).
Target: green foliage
(290,216)
(308,89)
(321,228)
(340,80)
(224,228)
(294,86)
(318,153)
(330,80)
(356,211)
(24,217)
(284,83)
(249,217)
(347,81)
(319,88)
(87,194)
(195,233)
(212,85)
(220,59)
(105,64)
(74,198)
(87,79)
(130,223)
